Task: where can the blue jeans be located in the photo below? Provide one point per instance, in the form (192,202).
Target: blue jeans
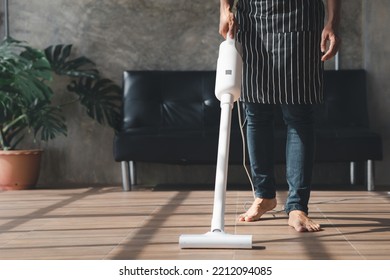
(300,147)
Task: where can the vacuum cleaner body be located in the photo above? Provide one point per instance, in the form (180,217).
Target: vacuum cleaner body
(229,69)
(227,90)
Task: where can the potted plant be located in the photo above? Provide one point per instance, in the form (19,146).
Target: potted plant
(26,102)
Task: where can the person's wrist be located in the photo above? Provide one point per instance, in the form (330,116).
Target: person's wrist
(225,6)
(333,24)
(330,30)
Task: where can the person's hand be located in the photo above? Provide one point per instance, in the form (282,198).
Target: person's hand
(329,36)
(227,22)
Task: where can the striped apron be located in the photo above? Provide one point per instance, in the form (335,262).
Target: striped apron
(281,50)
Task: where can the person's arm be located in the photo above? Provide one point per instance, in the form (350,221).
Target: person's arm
(227,20)
(330,31)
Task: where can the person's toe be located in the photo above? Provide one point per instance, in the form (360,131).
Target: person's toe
(241,218)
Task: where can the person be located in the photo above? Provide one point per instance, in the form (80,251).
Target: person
(284,44)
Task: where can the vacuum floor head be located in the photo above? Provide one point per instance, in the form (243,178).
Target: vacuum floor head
(211,240)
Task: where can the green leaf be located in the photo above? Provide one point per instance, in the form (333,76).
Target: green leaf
(59,58)
(46,120)
(25,70)
(102,99)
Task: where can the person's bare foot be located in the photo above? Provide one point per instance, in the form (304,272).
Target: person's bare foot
(301,222)
(258,208)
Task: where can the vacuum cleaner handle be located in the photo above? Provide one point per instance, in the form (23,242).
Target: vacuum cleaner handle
(229,69)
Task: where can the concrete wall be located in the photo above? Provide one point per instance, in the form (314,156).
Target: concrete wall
(376,54)
(155,34)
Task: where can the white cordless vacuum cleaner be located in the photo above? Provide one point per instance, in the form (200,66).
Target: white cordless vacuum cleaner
(227,90)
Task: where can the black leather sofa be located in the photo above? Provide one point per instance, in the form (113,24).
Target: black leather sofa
(173,117)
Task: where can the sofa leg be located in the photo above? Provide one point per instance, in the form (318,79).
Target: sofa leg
(353,172)
(125,176)
(133,173)
(370,175)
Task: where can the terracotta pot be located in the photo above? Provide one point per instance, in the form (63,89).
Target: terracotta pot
(19,169)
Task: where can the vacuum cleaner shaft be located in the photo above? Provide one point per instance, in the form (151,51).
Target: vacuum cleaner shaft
(217,238)
(217,222)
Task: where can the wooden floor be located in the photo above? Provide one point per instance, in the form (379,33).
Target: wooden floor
(106,223)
